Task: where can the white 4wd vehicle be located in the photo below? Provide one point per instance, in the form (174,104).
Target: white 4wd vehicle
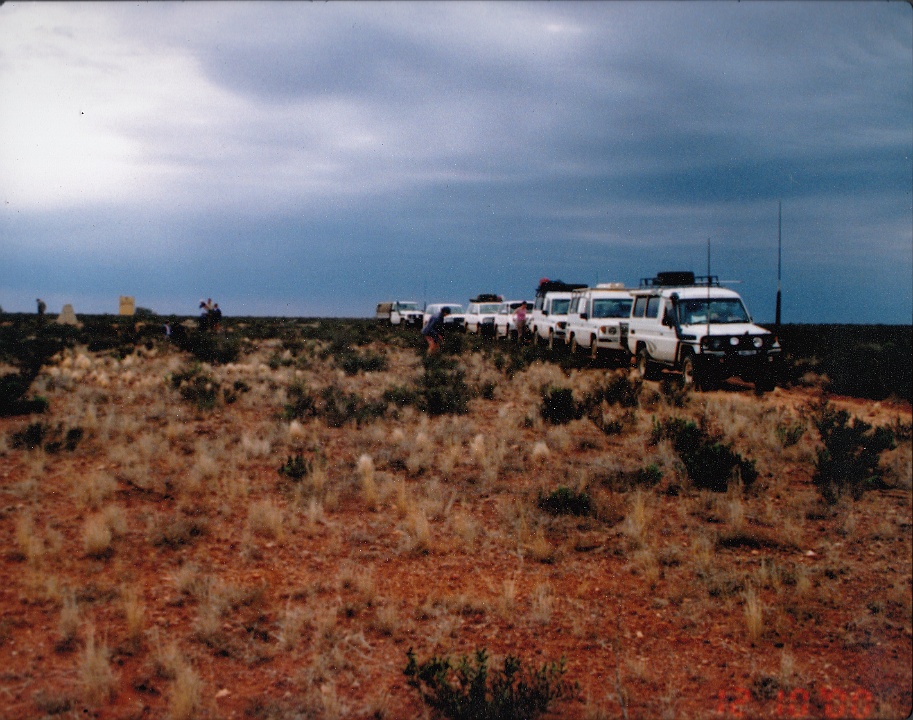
(548,320)
(692,324)
(405,312)
(480,314)
(505,322)
(453,321)
(597,320)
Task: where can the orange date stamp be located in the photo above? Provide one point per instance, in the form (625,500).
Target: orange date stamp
(827,702)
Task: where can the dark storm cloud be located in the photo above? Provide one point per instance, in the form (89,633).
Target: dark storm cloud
(441,149)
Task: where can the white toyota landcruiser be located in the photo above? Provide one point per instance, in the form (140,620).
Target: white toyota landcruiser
(405,312)
(480,314)
(548,320)
(691,324)
(597,320)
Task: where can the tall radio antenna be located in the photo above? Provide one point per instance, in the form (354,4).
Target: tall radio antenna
(779,255)
(708,288)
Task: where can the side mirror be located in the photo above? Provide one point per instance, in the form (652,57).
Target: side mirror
(667,321)
(584,316)
(544,312)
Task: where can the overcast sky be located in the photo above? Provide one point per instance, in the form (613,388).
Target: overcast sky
(313,159)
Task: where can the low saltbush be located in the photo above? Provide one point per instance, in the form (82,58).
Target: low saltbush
(469,690)
(564,501)
(559,407)
(709,462)
(849,460)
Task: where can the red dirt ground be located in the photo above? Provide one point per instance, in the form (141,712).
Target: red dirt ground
(640,644)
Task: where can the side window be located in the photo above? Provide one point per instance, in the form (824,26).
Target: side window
(653,307)
(640,305)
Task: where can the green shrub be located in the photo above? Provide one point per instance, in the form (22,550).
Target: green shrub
(649,475)
(443,390)
(51,439)
(27,349)
(618,390)
(565,501)
(197,387)
(468,690)
(208,347)
(301,404)
(353,362)
(340,407)
(558,406)
(31,436)
(296,468)
(401,396)
(849,460)
(709,462)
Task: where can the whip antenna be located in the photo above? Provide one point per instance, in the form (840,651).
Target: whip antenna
(779,255)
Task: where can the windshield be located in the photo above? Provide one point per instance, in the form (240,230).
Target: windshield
(489,308)
(407,306)
(611,308)
(728,310)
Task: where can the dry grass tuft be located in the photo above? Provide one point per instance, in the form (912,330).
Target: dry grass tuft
(367,482)
(186,695)
(135,615)
(542,604)
(97,536)
(95,673)
(754,614)
(266,519)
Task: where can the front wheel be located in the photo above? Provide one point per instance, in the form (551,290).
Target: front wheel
(575,347)
(551,341)
(690,377)
(594,349)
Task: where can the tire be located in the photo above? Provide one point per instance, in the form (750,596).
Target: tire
(575,348)
(646,368)
(690,375)
(764,382)
(594,349)
(551,341)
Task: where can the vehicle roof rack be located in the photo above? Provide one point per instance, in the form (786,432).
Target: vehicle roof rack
(546,285)
(486,298)
(680,278)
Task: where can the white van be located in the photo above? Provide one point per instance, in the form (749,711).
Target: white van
(597,320)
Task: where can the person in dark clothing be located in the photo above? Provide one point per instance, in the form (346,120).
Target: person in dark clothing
(433,330)
(216,318)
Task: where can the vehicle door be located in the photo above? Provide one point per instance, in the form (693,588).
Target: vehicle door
(661,310)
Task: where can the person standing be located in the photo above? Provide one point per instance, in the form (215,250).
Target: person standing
(520,319)
(433,330)
(217,318)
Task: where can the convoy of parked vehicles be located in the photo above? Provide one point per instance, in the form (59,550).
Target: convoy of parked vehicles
(676,321)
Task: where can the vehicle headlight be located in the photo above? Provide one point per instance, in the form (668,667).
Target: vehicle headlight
(758,342)
(609,330)
(733,341)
